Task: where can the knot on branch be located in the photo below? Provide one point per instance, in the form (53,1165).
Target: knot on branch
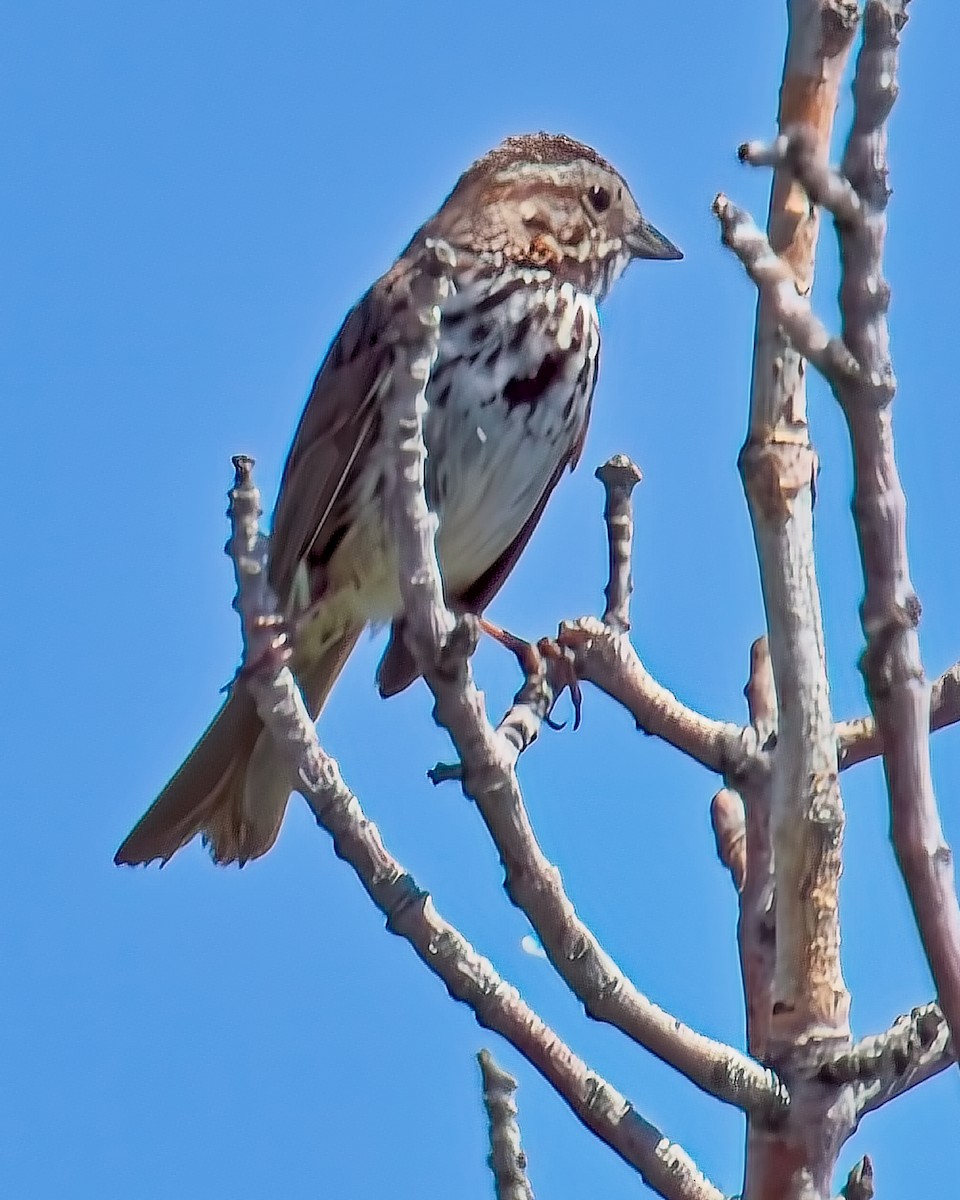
(459,645)
(775,474)
(728,818)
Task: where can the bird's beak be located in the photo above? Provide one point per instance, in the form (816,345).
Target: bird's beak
(643,241)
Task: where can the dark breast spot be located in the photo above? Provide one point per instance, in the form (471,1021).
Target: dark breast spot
(497,296)
(576,338)
(519,334)
(530,389)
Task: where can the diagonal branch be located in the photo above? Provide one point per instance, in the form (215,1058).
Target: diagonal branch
(608,661)
(798,151)
(410,912)
(547,673)
(488,761)
(777,284)
(507,1160)
(601,653)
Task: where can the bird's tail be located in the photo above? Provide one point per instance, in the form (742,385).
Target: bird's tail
(234,787)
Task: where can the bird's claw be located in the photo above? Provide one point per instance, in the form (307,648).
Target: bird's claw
(545,664)
(563,672)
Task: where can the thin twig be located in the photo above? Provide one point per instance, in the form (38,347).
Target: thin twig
(799,152)
(410,912)
(610,663)
(548,671)
(619,476)
(805,332)
(507,1160)
(489,778)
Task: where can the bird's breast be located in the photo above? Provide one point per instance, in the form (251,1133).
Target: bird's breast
(508,401)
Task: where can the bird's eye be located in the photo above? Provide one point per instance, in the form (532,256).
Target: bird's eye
(599,198)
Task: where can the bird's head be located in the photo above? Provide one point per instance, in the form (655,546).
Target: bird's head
(546,201)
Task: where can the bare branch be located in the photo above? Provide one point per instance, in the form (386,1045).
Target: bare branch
(609,662)
(548,671)
(916,1047)
(889,1053)
(799,152)
(805,332)
(410,912)
(415,351)
(600,653)
(778,465)
(489,778)
(507,1160)
(891,662)
(809,1003)
(890,612)
(619,476)
(756,928)
(860,739)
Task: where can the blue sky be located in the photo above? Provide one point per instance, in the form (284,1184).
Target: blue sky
(193,196)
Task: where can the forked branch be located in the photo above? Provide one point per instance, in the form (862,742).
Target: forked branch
(410,912)
(488,775)
(891,663)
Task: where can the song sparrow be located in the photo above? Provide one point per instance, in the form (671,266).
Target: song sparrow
(542,227)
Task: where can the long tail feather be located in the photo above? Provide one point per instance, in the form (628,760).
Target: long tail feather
(233,787)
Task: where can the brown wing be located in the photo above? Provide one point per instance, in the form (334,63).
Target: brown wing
(335,432)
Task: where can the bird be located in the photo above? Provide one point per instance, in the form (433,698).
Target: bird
(541,227)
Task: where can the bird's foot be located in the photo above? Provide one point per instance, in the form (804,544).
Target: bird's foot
(548,668)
